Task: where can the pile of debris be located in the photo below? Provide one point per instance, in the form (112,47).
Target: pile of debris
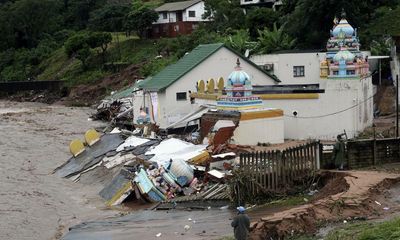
(148,169)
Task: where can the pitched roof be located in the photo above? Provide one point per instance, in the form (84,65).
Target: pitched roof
(176,6)
(173,72)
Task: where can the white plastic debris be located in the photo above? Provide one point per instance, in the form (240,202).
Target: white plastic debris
(305,199)
(344,221)
(115,130)
(194,221)
(186,227)
(189,219)
(386,208)
(378,203)
(224,207)
(132,141)
(158,235)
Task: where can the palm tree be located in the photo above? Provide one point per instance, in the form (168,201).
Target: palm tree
(240,41)
(275,40)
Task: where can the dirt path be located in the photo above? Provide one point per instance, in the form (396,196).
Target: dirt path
(34,204)
(365,197)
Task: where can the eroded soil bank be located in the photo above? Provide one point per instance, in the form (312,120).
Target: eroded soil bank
(355,195)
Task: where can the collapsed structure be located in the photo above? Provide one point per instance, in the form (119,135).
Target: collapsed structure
(148,170)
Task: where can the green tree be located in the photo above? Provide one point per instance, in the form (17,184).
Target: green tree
(226,14)
(100,40)
(109,18)
(140,18)
(240,41)
(31,19)
(311,20)
(77,12)
(77,46)
(260,18)
(275,40)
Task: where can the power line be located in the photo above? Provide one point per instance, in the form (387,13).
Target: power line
(334,113)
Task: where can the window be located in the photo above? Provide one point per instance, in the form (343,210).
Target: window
(298,71)
(165,15)
(192,13)
(351,72)
(335,72)
(180,96)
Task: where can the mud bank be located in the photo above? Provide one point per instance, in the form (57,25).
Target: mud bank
(34,204)
(355,195)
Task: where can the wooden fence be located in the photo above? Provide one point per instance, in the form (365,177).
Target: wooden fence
(279,170)
(365,153)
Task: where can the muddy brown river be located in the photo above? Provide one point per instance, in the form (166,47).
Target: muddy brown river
(35,204)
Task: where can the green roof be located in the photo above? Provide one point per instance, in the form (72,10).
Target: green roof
(173,72)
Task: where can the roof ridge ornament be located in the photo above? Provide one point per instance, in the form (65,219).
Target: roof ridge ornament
(343,14)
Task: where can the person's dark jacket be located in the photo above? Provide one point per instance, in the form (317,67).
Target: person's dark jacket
(241,226)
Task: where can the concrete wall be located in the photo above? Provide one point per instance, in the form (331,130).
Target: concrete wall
(311,121)
(267,130)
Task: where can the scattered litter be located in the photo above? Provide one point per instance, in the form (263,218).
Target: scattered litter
(186,227)
(378,203)
(189,219)
(344,221)
(158,235)
(305,199)
(386,208)
(224,207)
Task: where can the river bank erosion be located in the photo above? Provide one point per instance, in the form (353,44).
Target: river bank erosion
(37,204)
(34,203)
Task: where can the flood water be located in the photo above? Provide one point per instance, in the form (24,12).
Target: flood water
(36,204)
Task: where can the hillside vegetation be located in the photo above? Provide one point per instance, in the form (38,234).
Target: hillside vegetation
(85,41)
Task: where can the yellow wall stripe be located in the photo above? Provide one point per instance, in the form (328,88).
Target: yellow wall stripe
(261,114)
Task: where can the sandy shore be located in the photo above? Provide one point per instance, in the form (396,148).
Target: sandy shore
(34,204)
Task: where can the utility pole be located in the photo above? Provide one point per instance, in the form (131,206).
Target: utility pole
(397,106)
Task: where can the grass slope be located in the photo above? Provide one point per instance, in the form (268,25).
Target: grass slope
(123,49)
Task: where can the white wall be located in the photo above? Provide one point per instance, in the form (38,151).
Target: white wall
(339,95)
(283,66)
(251,132)
(220,64)
(284,63)
(199,9)
(171,17)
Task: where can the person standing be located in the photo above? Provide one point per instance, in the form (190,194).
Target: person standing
(241,224)
(338,153)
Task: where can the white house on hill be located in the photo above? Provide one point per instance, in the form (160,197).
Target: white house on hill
(178,18)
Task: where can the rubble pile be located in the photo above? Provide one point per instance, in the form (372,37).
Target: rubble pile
(119,112)
(149,169)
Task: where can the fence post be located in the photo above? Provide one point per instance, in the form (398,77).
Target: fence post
(318,151)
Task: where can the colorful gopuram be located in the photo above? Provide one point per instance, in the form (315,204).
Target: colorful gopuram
(344,58)
(239,94)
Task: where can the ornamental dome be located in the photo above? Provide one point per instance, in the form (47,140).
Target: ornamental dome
(238,77)
(343,29)
(344,54)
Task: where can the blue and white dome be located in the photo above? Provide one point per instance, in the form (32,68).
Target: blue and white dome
(238,76)
(343,28)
